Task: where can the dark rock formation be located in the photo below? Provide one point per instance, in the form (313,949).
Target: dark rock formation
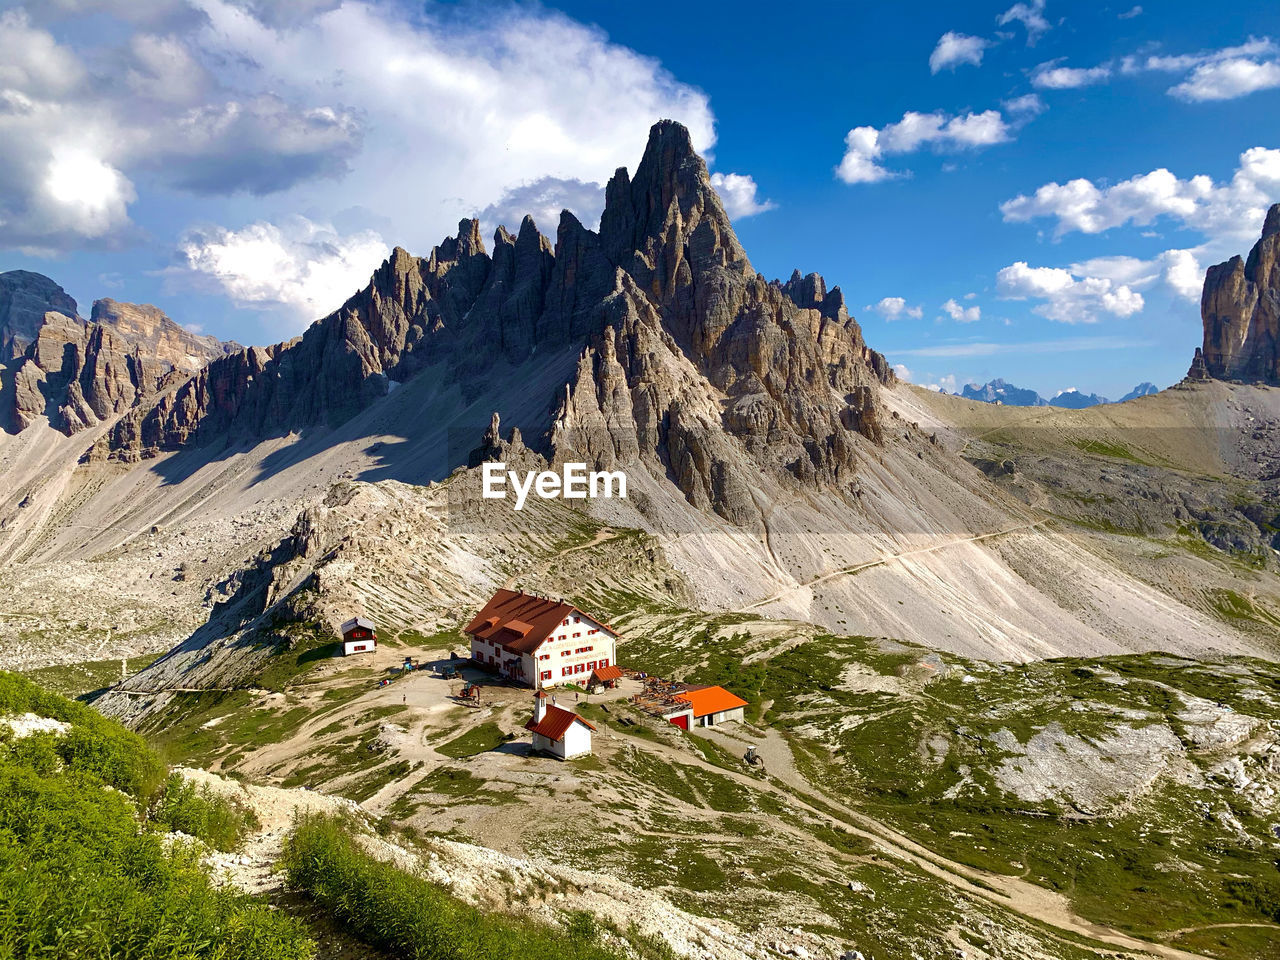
(1144,389)
(1240,308)
(25,298)
(1075,400)
(79,373)
(689,357)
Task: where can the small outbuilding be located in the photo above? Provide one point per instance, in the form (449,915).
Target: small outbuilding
(605,678)
(559,732)
(358,636)
(705,707)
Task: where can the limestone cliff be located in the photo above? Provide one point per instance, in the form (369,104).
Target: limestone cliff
(78,373)
(1240,308)
(25,298)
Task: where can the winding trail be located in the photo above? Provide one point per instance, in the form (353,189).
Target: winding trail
(882,561)
(1028,900)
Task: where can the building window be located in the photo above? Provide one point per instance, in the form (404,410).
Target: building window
(545,675)
(564,623)
(604,663)
(564,672)
(579,668)
(591,665)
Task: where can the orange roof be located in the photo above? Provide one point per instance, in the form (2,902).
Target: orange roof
(611,672)
(709,700)
(555,722)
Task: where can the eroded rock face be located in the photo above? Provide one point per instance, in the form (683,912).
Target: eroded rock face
(689,357)
(80,373)
(1240,308)
(25,298)
(155,335)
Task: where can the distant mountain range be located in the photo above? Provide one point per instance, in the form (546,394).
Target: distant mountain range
(998,391)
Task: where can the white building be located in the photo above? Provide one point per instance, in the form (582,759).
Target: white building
(358,636)
(559,732)
(702,706)
(539,641)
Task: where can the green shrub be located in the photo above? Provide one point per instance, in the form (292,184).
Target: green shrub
(80,876)
(397,911)
(94,744)
(199,812)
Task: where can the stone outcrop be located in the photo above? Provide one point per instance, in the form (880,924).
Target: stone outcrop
(80,373)
(689,358)
(159,338)
(1240,308)
(25,298)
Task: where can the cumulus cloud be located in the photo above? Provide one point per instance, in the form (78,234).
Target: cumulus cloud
(1233,210)
(866,146)
(544,199)
(1026,106)
(1222,74)
(895,308)
(1228,79)
(955,49)
(1050,76)
(961,314)
(1180,270)
(1030,15)
(304,267)
(738,193)
(1065,297)
(421,117)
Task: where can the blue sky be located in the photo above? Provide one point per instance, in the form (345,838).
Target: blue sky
(1027,190)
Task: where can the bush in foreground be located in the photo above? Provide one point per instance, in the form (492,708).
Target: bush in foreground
(397,911)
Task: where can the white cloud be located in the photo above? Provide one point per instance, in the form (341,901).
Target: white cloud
(894,308)
(866,146)
(1223,211)
(1050,76)
(1130,13)
(1028,105)
(1228,79)
(738,194)
(1030,15)
(961,314)
(1180,270)
(902,372)
(955,49)
(1064,297)
(1222,74)
(306,268)
(544,199)
(421,118)
(1006,348)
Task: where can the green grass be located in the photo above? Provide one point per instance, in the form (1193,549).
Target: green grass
(404,914)
(198,812)
(77,679)
(481,739)
(83,876)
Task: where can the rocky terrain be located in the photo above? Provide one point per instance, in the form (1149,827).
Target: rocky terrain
(1241,311)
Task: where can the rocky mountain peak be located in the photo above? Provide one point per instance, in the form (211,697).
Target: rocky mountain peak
(25,298)
(1240,308)
(1272,224)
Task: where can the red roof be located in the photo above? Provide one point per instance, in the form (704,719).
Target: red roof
(520,622)
(555,722)
(708,700)
(611,672)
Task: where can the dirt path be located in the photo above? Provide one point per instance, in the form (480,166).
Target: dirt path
(881,561)
(603,535)
(1021,897)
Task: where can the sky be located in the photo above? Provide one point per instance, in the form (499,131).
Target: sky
(1029,191)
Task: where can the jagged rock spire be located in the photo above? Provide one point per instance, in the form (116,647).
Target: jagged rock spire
(1240,308)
